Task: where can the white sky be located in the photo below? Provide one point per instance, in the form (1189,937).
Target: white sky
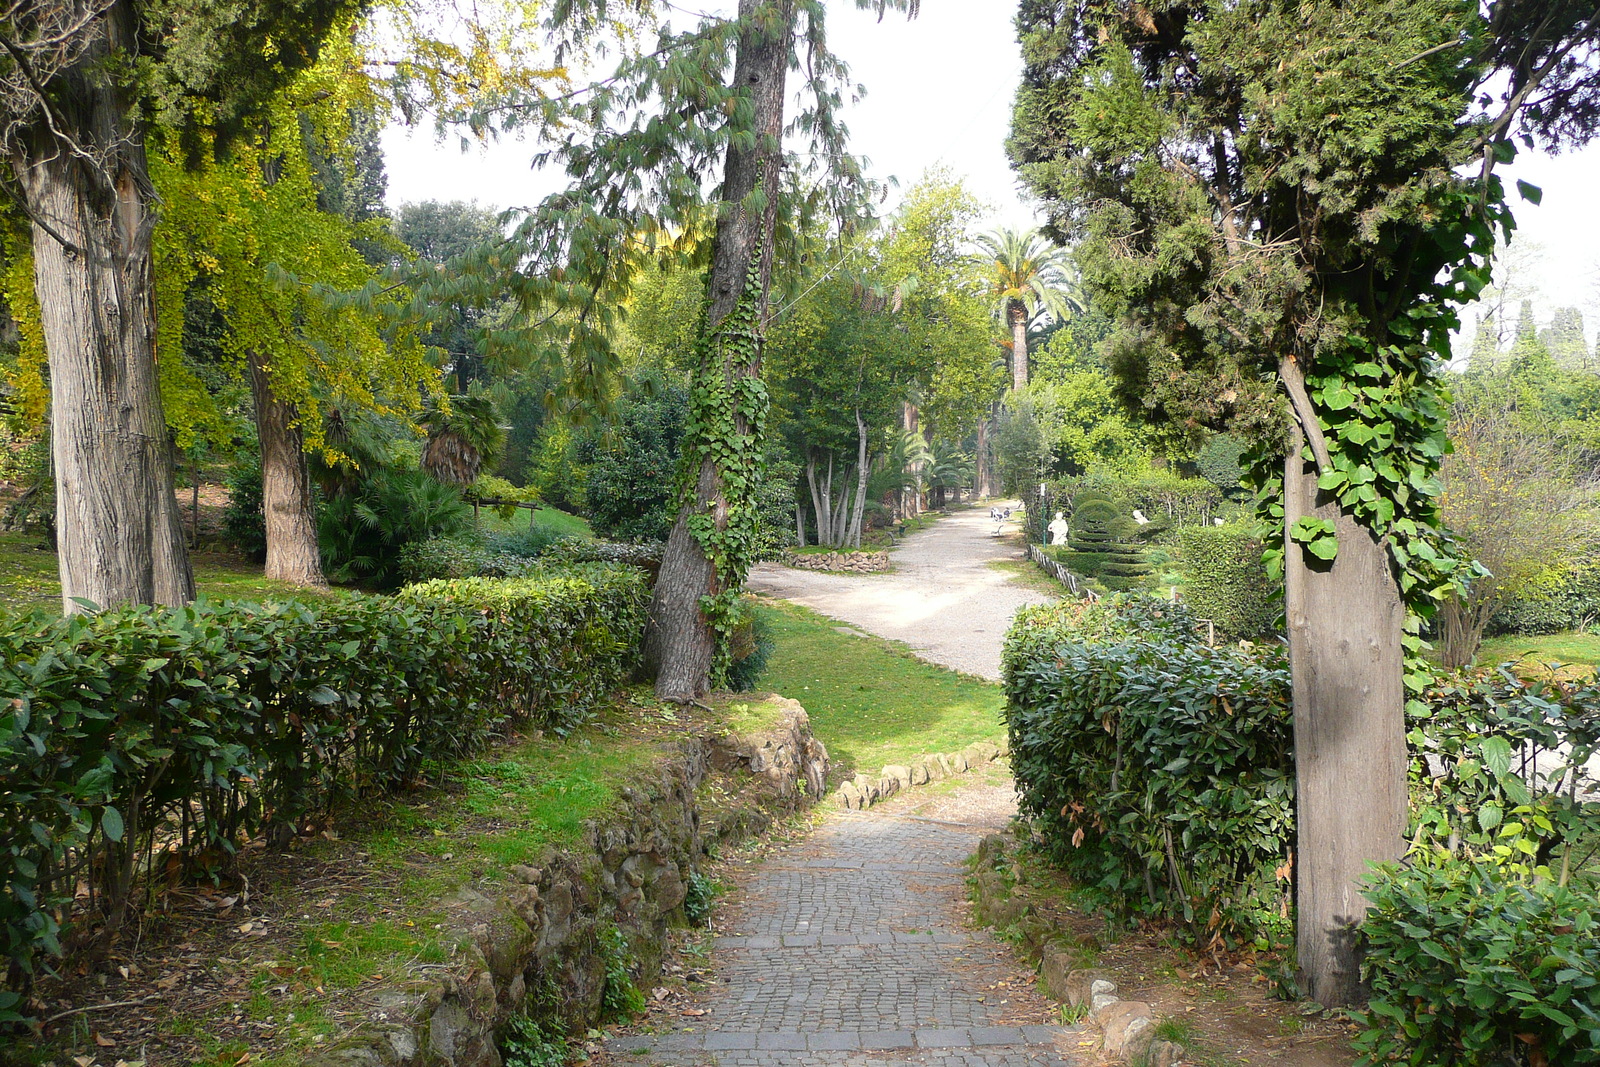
(939,90)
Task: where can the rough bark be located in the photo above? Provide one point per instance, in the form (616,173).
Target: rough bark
(1344,624)
(860,510)
(292,552)
(117,517)
(680,643)
(1019,347)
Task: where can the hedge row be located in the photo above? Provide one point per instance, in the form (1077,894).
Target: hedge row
(1225,580)
(1161,775)
(1159,769)
(193,730)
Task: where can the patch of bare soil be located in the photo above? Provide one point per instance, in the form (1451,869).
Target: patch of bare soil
(1224,1004)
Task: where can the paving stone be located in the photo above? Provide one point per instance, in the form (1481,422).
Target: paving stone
(844,950)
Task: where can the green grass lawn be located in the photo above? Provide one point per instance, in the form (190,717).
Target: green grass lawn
(871,702)
(29,577)
(553,519)
(1579,653)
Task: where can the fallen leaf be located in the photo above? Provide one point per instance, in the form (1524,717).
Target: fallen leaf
(104,1042)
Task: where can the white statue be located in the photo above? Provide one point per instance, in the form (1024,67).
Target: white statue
(1058,530)
(1138,517)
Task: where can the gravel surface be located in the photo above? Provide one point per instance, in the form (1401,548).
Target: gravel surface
(943,599)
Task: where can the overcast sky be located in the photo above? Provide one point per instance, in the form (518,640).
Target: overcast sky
(939,90)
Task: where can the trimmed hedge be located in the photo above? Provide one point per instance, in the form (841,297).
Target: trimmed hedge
(1159,769)
(1225,580)
(203,727)
(1470,970)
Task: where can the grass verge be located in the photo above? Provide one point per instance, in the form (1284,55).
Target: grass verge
(289,951)
(871,701)
(1577,653)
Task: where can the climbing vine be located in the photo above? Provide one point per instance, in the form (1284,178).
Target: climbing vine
(1383,410)
(726,424)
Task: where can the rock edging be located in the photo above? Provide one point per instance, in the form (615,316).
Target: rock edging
(1127,1027)
(863,791)
(540,945)
(838,562)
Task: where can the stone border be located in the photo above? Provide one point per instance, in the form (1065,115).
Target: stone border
(1127,1027)
(864,562)
(534,944)
(863,791)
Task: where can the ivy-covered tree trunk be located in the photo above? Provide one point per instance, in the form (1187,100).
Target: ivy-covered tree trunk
(293,554)
(119,531)
(708,551)
(1344,622)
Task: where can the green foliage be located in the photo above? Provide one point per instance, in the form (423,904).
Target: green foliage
(1573,603)
(200,726)
(1130,134)
(622,999)
(1160,770)
(631,470)
(1100,544)
(1225,580)
(528,1043)
(725,430)
(1470,969)
(1218,462)
(751,648)
(363,532)
(700,898)
(243,522)
(29,469)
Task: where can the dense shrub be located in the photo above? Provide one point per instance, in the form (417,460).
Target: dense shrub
(634,470)
(363,531)
(205,726)
(1101,543)
(1159,769)
(462,557)
(1572,604)
(750,647)
(244,523)
(1218,462)
(1471,969)
(1225,580)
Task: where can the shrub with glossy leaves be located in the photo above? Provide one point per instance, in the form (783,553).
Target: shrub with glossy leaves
(1158,769)
(1471,969)
(213,723)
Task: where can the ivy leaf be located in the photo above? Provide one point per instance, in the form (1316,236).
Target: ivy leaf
(1531,193)
(1338,398)
(1324,548)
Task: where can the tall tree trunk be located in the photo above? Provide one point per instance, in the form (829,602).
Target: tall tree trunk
(117,517)
(911,419)
(292,552)
(680,643)
(981,463)
(1345,657)
(1019,347)
(799,524)
(861,480)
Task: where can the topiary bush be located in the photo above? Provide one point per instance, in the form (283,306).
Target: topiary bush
(1225,581)
(202,726)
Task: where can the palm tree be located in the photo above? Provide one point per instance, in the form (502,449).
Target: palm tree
(1027,277)
(461,440)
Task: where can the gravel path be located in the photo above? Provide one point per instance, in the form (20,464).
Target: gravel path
(943,599)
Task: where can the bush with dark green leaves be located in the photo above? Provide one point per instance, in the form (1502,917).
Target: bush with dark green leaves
(202,726)
(1218,462)
(244,523)
(362,532)
(633,473)
(1102,542)
(1225,580)
(1158,769)
(1471,969)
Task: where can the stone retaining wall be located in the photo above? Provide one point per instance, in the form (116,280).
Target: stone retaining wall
(1127,1027)
(863,791)
(536,945)
(838,562)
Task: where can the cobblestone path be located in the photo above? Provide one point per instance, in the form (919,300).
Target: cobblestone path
(850,948)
